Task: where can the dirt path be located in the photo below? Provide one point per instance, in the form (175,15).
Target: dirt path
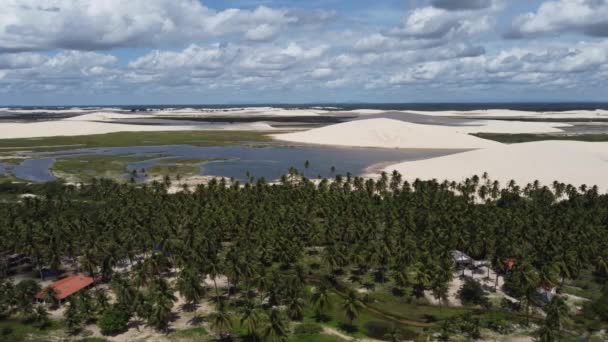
(337,333)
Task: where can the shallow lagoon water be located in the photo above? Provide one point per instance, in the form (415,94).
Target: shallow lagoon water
(268,161)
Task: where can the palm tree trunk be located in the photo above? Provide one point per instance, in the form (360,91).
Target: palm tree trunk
(217,294)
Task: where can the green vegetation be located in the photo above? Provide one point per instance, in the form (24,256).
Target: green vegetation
(314,338)
(526,137)
(358,256)
(179,166)
(85,168)
(114,320)
(196,138)
(192,334)
(15,331)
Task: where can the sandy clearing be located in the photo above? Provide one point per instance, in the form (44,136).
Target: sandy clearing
(388,133)
(570,162)
(335,332)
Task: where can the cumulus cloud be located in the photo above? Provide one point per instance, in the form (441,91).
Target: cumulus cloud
(437,23)
(94,25)
(277,58)
(442,45)
(20,60)
(588,17)
(212,57)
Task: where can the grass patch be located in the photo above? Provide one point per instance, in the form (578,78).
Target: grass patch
(12,161)
(193,334)
(402,307)
(179,166)
(525,137)
(314,338)
(88,167)
(195,138)
(15,331)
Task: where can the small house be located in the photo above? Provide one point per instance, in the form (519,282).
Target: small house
(66,287)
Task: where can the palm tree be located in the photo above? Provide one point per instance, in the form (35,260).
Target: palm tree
(40,317)
(161,301)
(250,319)
(547,334)
(102,300)
(276,330)
(556,310)
(320,300)
(529,281)
(50,297)
(221,321)
(351,306)
(189,286)
(72,316)
(295,308)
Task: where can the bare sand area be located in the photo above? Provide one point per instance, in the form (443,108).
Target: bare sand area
(508,113)
(570,162)
(388,133)
(81,126)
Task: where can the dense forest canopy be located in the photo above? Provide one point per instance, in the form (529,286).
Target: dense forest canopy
(389,222)
(262,235)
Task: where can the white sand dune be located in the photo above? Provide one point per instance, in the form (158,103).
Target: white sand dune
(388,133)
(78,127)
(570,162)
(75,128)
(107,116)
(75,110)
(237,112)
(511,127)
(508,113)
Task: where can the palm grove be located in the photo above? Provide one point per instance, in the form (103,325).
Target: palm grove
(297,245)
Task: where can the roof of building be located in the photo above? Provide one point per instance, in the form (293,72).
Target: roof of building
(509,263)
(68,286)
(460,256)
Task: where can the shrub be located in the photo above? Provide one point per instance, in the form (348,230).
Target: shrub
(308,329)
(600,307)
(498,324)
(472,293)
(114,320)
(6,331)
(383,330)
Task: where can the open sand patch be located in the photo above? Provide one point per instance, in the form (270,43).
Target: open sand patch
(570,162)
(388,133)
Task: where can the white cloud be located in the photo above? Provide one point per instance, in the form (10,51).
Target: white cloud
(215,56)
(589,17)
(321,73)
(20,60)
(95,24)
(436,23)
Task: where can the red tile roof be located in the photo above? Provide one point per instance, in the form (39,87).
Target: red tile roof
(68,286)
(509,263)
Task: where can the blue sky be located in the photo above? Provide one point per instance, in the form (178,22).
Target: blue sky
(68,52)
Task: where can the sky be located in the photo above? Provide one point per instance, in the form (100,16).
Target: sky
(105,52)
